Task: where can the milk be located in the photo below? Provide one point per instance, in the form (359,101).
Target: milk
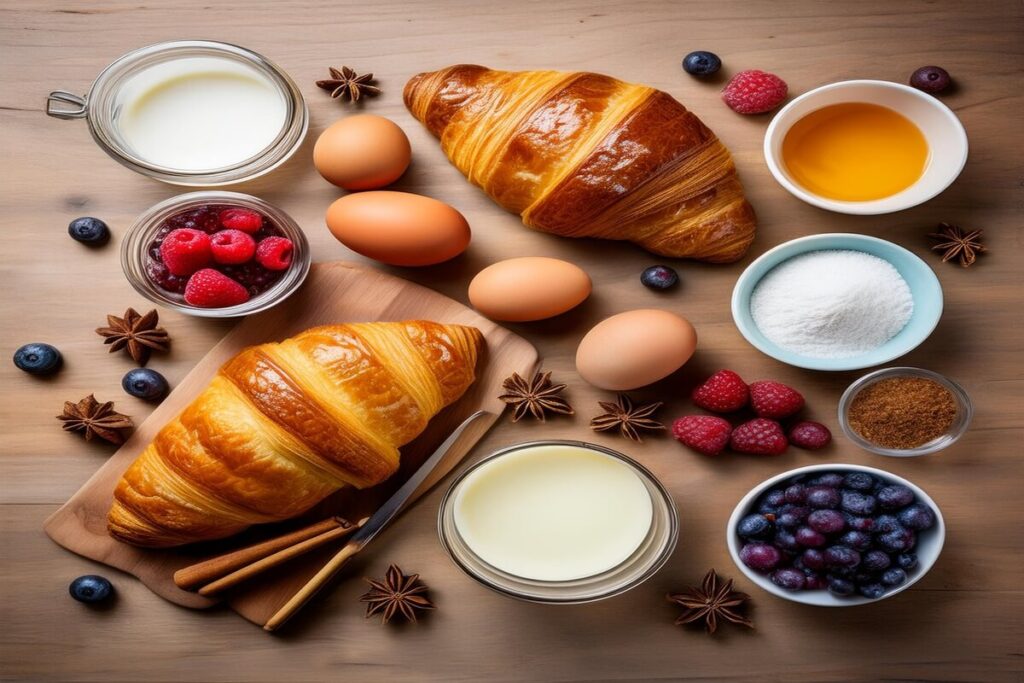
(553,512)
(200,113)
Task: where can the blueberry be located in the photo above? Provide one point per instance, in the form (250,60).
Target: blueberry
(875,560)
(894,577)
(826,521)
(38,359)
(813,559)
(885,524)
(841,556)
(907,561)
(701,63)
(897,541)
(755,527)
(659,277)
(917,517)
(809,538)
(857,503)
(815,582)
(760,557)
(149,385)
(839,586)
(88,230)
(859,523)
(832,480)
(930,79)
(772,501)
(859,481)
(894,497)
(789,578)
(786,541)
(823,497)
(872,591)
(90,588)
(791,516)
(796,494)
(858,540)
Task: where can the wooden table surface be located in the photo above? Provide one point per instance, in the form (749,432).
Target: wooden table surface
(961,622)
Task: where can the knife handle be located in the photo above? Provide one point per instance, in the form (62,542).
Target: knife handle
(313,586)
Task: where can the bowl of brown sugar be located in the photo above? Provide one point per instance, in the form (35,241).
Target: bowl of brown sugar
(904,412)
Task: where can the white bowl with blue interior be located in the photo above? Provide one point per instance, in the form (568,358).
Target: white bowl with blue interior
(924,288)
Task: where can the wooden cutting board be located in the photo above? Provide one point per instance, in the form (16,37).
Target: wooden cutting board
(333,293)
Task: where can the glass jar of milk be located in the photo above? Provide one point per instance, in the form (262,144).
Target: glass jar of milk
(192,112)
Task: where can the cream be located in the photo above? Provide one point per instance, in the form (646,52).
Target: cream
(553,512)
(200,113)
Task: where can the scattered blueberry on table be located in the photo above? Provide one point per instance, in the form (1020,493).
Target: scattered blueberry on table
(144,383)
(701,63)
(659,277)
(931,79)
(38,359)
(89,230)
(91,589)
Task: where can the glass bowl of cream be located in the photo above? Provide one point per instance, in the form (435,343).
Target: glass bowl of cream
(558,522)
(192,112)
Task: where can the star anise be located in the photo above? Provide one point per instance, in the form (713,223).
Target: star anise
(954,243)
(714,600)
(396,594)
(92,418)
(138,334)
(536,397)
(346,83)
(626,418)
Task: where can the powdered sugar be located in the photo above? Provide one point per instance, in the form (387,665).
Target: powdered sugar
(831,304)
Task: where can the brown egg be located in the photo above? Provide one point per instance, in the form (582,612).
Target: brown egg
(635,348)
(362,152)
(528,288)
(398,228)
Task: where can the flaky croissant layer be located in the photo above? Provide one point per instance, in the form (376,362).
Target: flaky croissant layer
(282,426)
(586,155)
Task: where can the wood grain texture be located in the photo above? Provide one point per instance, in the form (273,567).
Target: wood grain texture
(962,622)
(333,293)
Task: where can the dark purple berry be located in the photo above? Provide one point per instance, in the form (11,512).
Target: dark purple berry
(37,358)
(894,577)
(796,494)
(789,578)
(859,523)
(701,63)
(791,516)
(897,541)
(885,524)
(875,561)
(659,277)
(831,479)
(823,497)
(826,521)
(841,556)
(786,541)
(760,557)
(917,517)
(809,538)
(815,582)
(839,586)
(894,497)
(857,503)
(872,591)
(813,559)
(930,79)
(907,561)
(755,527)
(858,540)
(146,384)
(859,481)
(90,231)
(91,588)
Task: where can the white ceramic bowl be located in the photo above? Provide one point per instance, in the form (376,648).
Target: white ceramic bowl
(947,141)
(929,543)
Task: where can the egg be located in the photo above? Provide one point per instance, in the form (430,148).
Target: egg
(635,348)
(528,288)
(398,228)
(362,152)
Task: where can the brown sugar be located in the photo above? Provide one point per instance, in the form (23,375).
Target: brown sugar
(902,412)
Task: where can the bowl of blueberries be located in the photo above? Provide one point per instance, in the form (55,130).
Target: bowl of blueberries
(835,535)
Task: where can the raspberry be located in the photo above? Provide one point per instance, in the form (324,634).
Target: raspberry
(754,92)
(759,436)
(209,288)
(774,399)
(703,433)
(809,435)
(185,250)
(723,392)
(245,220)
(275,253)
(232,247)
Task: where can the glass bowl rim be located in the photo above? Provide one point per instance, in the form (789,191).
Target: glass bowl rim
(660,558)
(965,408)
(133,249)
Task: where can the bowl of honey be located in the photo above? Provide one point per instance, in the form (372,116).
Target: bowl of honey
(865,147)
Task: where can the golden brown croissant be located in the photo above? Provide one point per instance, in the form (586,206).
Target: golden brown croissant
(586,155)
(282,426)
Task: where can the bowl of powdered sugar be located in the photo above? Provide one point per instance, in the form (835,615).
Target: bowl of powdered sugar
(837,301)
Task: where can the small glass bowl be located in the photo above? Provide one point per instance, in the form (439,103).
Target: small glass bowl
(103,106)
(137,240)
(648,558)
(964,412)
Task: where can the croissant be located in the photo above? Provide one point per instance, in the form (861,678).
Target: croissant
(586,155)
(282,426)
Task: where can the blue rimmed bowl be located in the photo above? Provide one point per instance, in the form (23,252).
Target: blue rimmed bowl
(924,288)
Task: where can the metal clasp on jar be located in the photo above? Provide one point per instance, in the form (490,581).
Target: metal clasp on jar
(63,97)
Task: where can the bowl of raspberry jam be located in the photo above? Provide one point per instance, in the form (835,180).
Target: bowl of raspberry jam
(215,254)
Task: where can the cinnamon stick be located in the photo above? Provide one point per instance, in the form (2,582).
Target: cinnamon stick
(214,568)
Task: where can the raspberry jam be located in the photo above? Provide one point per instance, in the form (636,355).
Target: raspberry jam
(212,219)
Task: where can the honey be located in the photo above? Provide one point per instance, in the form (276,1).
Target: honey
(855,152)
